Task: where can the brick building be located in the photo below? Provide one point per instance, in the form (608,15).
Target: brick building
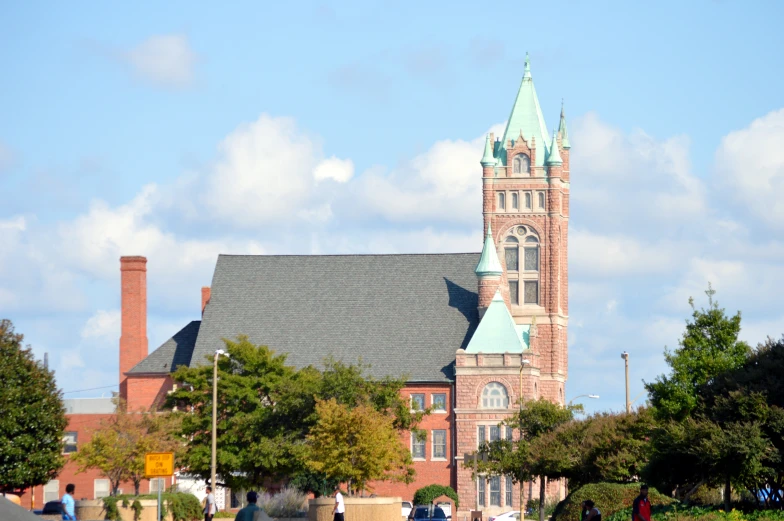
(472,332)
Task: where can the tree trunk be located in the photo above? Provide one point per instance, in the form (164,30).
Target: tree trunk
(136,485)
(542,490)
(522,500)
(727,495)
(115,487)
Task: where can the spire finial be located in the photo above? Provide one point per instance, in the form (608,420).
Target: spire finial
(527,73)
(487,158)
(489,264)
(562,107)
(554,158)
(562,129)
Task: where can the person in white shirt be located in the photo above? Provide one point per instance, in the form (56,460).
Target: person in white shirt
(340,507)
(209,505)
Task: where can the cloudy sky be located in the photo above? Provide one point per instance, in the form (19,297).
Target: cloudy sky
(182,130)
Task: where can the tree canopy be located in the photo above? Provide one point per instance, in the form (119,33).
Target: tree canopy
(266,409)
(33,420)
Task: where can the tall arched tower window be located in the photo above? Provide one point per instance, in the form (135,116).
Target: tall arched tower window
(494,396)
(522,243)
(521,164)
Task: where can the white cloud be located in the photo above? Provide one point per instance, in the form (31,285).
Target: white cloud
(593,254)
(165,60)
(750,165)
(103,326)
(340,170)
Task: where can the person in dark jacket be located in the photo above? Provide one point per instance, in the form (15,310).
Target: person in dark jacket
(593,513)
(247,513)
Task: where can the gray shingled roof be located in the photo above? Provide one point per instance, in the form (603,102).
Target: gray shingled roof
(171,354)
(11,512)
(399,313)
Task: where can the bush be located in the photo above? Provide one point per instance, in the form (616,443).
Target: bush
(183,506)
(426,495)
(289,502)
(609,498)
(532,508)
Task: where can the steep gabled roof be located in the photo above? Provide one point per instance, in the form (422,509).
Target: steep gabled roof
(497,332)
(171,354)
(398,313)
(526,117)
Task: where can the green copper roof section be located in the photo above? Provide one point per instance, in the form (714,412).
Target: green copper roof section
(487,158)
(488,262)
(562,130)
(526,117)
(496,332)
(555,156)
(524,332)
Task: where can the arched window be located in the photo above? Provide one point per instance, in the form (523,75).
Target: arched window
(501,200)
(528,200)
(522,243)
(521,164)
(494,396)
(541,200)
(515,201)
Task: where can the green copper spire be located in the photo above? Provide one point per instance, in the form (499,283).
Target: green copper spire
(489,265)
(555,157)
(562,130)
(487,158)
(526,118)
(496,332)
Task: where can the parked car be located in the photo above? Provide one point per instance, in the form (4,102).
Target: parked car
(407,506)
(512,515)
(447,508)
(52,508)
(426,513)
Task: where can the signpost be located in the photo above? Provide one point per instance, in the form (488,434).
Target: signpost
(159,465)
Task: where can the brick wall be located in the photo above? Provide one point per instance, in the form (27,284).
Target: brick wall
(146,392)
(429,470)
(84,425)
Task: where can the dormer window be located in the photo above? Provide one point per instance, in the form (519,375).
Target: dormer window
(521,165)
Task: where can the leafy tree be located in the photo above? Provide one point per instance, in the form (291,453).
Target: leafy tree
(117,448)
(613,448)
(266,409)
(709,347)
(356,445)
(33,420)
(539,451)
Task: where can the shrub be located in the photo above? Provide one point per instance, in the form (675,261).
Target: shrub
(426,495)
(609,498)
(289,502)
(532,506)
(183,506)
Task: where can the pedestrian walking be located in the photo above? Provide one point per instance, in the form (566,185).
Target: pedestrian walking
(247,513)
(641,508)
(209,505)
(68,503)
(340,508)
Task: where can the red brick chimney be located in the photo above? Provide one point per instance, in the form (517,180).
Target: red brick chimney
(205,298)
(133,338)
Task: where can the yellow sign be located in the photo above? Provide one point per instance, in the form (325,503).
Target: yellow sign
(159,464)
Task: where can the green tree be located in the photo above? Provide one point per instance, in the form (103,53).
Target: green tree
(33,420)
(356,445)
(709,347)
(539,450)
(427,494)
(117,448)
(266,409)
(613,448)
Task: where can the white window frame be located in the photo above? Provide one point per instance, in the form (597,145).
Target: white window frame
(433,403)
(423,442)
(67,443)
(53,484)
(481,491)
(487,390)
(108,488)
(423,401)
(433,445)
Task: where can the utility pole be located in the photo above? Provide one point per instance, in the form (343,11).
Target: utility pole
(625,357)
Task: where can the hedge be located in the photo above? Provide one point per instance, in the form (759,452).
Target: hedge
(426,495)
(609,498)
(183,506)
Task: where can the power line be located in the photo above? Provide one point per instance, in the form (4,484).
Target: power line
(92,389)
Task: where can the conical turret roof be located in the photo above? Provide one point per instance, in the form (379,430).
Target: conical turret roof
(489,265)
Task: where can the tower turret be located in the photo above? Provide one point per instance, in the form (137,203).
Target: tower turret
(488,271)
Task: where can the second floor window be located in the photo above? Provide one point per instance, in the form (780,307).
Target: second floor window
(439,444)
(417,446)
(418,402)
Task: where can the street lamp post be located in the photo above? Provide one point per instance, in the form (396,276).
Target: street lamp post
(625,357)
(215,415)
(591,396)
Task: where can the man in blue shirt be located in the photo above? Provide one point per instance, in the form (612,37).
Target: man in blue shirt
(69,505)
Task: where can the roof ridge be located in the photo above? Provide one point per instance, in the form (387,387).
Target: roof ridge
(347,254)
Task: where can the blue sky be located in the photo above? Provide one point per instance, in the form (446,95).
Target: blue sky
(357,127)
